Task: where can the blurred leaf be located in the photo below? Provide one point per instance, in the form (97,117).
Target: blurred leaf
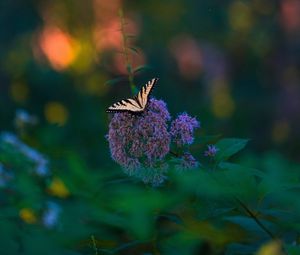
(171,217)
(249,224)
(142,68)
(228,147)
(115,81)
(129,68)
(237,248)
(8,244)
(29,190)
(134,50)
(293,249)
(245,170)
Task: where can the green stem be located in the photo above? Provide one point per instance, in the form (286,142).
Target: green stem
(251,214)
(128,63)
(259,223)
(176,155)
(94,245)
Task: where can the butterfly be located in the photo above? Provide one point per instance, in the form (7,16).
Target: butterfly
(136,104)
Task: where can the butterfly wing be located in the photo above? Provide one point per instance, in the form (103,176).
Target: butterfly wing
(143,95)
(136,104)
(126,105)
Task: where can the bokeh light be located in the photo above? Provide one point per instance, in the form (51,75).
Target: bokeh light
(28,215)
(223,105)
(280,132)
(188,55)
(58,188)
(19,92)
(240,16)
(56,113)
(59,47)
(233,65)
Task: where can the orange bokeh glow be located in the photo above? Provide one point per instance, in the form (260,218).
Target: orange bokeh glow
(136,60)
(107,30)
(188,56)
(109,34)
(290,17)
(58,46)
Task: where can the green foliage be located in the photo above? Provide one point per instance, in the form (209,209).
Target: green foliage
(229,147)
(232,209)
(221,61)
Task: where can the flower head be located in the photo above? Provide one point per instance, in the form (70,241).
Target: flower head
(182,129)
(187,162)
(211,151)
(142,141)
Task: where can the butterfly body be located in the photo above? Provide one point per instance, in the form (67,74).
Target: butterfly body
(137,104)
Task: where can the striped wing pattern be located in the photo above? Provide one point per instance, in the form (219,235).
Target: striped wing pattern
(136,104)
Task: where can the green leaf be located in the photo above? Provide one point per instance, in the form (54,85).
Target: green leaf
(250,225)
(228,147)
(236,248)
(293,249)
(115,81)
(142,68)
(242,180)
(171,217)
(128,68)
(134,50)
(246,170)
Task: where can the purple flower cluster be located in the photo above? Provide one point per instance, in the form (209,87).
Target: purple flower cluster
(139,143)
(182,129)
(211,151)
(187,162)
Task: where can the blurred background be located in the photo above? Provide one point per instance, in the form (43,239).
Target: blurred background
(233,64)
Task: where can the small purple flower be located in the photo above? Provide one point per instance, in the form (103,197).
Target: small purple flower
(182,129)
(187,162)
(211,151)
(140,142)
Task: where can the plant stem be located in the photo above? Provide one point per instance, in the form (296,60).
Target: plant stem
(251,214)
(259,223)
(128,63)
(94,245)
(176,155)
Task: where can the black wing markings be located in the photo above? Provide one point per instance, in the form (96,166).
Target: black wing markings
(139,102)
